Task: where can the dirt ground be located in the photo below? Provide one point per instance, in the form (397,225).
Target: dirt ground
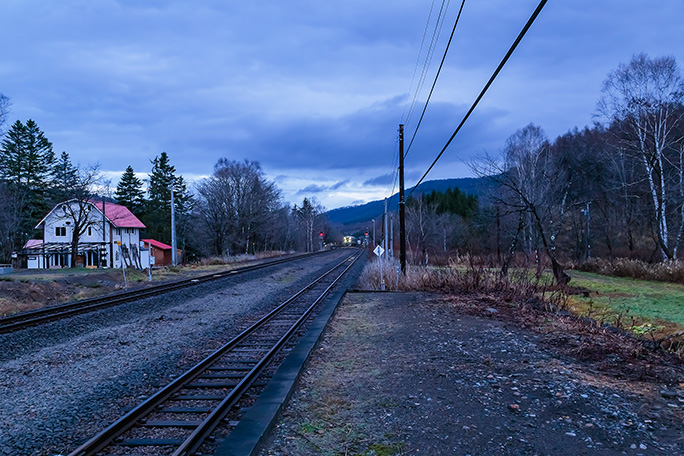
(427,374)
(32,289)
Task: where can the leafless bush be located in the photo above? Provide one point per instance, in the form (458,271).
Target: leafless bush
(667,271)
(463,274)
(227,259)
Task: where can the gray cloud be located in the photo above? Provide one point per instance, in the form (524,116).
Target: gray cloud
(307,87)
(314,188)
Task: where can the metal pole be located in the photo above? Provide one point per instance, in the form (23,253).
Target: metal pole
(384,238)
(588,242)
(149,259)
(123,265)
(391,236)
(402,203)
(374,243)
(174,258)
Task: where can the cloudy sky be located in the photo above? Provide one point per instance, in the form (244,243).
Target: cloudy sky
(313,90)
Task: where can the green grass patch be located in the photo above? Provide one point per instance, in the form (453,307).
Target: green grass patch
(635,302)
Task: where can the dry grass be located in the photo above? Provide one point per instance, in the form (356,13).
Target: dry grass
(667,271)
(463,274)
(521,289)
(228,259)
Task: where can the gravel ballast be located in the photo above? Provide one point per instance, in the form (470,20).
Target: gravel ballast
(410,373)
(63,382)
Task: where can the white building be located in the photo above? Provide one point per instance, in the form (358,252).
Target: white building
(109,235)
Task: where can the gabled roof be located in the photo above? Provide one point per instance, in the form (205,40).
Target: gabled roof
(33,244)
(119,216)
(157,244)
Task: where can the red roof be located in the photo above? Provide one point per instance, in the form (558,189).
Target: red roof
(119,215)
(33,244)
(157,244)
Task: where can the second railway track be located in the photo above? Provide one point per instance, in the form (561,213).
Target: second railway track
(56,312)
(195,411)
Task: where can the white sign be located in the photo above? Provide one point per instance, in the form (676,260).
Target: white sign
(379,251)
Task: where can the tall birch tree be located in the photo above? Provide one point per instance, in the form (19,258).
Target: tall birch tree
(644,100)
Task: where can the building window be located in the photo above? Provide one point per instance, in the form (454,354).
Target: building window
(60,231)
(90,231)
(118,231)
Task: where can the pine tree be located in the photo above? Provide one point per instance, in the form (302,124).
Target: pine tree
(129,192)
(158,210)
(64,177)
(26,164)
(11,154)
(159,184)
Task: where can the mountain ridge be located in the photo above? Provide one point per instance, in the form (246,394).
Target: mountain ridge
(349,215)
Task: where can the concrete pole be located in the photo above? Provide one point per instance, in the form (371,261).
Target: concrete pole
(384,238)
(174,253)
(391,236)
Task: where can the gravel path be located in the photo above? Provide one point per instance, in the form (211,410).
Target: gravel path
(61,383)
(400,374)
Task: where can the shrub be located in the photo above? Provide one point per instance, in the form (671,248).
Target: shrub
(457,277)
(667,271)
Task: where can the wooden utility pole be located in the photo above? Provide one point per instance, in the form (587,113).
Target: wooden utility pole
(402,203)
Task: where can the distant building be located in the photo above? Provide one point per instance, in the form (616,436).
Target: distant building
(161,253)
(112,235)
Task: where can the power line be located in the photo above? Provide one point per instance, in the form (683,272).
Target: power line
(439,70)
(486,87)
(420,51)
(428,56)
(394,173)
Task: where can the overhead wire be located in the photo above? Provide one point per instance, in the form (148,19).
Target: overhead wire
(428,55)
(437,30)
(439,23)
(434,83)
(517,41)
(420,52)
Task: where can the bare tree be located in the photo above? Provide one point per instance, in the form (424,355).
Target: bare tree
(643,99)
(5,105)
(237,206)
(531,184)
(309,215)
(77,209)
(12,203)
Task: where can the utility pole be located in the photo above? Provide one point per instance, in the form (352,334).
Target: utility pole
(174,253)
(402,203)
(391,236)
(103,251)
(384,238)
(374,244)
(588,217)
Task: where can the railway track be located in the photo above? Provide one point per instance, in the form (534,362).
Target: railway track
(39,316)
(192,414)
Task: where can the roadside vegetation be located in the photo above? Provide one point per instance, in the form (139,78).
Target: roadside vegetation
(651,311)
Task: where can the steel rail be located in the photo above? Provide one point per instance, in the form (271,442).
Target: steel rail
(38,316)
(109,435)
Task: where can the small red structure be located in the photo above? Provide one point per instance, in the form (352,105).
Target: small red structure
(161,253)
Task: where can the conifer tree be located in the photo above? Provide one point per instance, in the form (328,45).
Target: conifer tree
(64,177)
(129,192)
(159,184)
(157,216)
(26,164)
(27,155)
